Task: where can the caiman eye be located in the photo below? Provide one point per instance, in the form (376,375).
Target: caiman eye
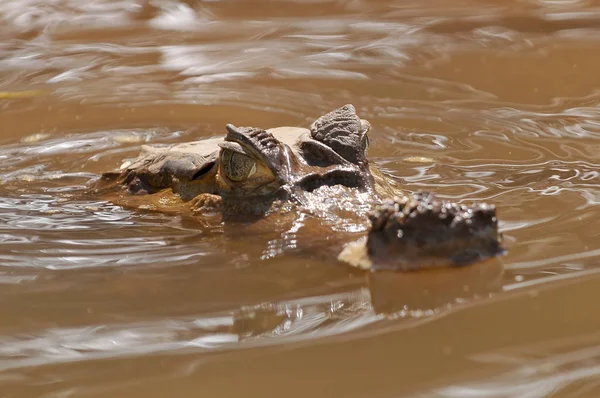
(365,144)
(237,167)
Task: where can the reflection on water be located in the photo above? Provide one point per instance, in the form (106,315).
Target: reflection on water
(475,100)
(387,299)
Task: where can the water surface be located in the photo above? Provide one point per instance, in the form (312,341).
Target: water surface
(475,100)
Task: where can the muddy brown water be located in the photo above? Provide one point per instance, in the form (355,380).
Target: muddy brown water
(475,100)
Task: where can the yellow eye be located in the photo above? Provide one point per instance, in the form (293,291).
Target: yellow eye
(237,167)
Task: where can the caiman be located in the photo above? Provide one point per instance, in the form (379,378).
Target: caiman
(251,173)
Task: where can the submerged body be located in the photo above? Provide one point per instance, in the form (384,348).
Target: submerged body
(250,173)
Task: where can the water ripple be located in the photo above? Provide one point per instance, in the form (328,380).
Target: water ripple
(541,372)
(286,322)
(107,76)
(29,225)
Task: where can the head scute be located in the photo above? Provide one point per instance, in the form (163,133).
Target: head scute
(341,130)
(260,138)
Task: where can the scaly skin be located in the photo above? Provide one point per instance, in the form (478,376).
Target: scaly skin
(251,171)
(419,231)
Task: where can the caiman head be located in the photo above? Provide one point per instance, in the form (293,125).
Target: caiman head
(249,168)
